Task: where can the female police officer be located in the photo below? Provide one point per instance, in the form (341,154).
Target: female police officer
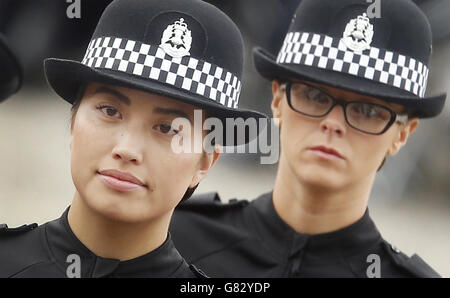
(148,63)
(348,91)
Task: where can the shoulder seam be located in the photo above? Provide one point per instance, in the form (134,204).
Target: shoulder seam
(27,267)
(409,263)
(216,251)
(5,230)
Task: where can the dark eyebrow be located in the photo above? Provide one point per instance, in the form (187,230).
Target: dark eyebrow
(169,111)
(116,93)
(127,101)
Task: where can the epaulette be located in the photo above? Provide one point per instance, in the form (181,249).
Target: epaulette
(4,230)
(414,264)
(210,200)
(198,272)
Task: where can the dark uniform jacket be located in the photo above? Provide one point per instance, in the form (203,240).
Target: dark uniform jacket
(249,239)
(48,250)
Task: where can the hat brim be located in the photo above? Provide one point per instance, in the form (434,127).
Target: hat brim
(11,75)
(67,76)
(426,107)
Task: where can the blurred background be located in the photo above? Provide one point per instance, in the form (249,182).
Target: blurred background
(410,201)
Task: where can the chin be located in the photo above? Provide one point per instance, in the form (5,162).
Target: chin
(326,178)
(120,209)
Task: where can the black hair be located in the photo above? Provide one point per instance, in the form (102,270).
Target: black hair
(76,103)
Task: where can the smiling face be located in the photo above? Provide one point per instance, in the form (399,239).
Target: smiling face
(122,163)
(326,152)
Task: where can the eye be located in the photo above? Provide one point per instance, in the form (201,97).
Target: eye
(110,111)
(317,96)
(368,111)
(166,129)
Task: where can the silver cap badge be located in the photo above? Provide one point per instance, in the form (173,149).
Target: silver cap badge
(176,40)
(358,34)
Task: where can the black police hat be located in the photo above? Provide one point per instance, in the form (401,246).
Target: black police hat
(337,44)
(11,74)
(183,49)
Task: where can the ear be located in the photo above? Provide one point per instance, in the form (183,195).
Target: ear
(70,140)
(72,124)
(277,100)
(207,162)
(402,136)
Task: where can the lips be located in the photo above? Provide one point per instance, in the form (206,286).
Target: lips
(327,152)
(120,180)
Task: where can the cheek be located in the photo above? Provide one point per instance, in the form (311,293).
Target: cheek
(89,145)
(368,152)
(177,168)
(295,130)
(172,173)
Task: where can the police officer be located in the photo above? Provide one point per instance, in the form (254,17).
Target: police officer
(348,91)
(148,63)
(11,74)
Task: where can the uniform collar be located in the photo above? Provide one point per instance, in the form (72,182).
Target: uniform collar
(161,262)
(347,241)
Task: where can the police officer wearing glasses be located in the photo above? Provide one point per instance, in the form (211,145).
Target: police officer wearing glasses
(348,90)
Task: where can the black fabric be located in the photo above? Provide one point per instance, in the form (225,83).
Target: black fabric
(219,40)
(402,28)
(43,251)
(11,74)
(249,239)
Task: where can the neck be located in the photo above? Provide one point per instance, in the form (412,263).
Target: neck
(108,238)
(313,209)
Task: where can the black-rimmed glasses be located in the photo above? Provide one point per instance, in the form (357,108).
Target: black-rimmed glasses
(366,117)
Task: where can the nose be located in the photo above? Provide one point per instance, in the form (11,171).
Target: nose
(334,122)
(128,149)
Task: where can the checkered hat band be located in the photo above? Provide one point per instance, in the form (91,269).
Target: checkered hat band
(375,64)
(152,62)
